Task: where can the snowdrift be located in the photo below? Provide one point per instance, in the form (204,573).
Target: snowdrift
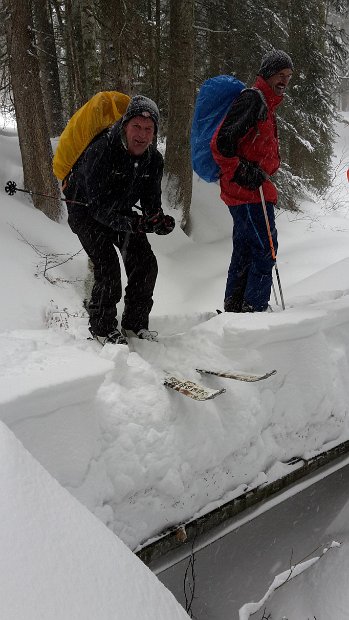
(58,561)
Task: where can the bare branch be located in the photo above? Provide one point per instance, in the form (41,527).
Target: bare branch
(50,260)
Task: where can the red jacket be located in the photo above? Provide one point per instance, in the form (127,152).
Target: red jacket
(242,134)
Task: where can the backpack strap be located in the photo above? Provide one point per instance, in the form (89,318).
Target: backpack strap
(243,115)
(263,113)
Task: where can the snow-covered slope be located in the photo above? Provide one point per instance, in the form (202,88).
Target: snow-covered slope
(58,561)
(149,458)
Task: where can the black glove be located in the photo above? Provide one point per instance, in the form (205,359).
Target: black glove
(157,223)
(165,226)
(146,223)
(249,174)
(149,223)
(152,222)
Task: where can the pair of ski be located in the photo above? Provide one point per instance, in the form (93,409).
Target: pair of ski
(61,319)
(200,392)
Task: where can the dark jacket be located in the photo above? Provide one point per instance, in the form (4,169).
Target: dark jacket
(111,181)
(242,135)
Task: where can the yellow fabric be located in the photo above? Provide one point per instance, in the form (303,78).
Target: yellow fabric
(100,112)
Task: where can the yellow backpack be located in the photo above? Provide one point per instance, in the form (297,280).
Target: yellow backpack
(100,112)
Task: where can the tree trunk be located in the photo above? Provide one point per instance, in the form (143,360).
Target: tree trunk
(157,52)
(33,135)
(107,50)
(181,100)
(116,47)
(79,48)
(88,28)
(154,36)
(214,43)
(46,52)
(75,79)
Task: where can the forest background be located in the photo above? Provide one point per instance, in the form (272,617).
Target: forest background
(56,54)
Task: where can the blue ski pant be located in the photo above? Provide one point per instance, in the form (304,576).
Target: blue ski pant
(249,278)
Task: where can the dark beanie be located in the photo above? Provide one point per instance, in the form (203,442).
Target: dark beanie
(273,62)
(142,106)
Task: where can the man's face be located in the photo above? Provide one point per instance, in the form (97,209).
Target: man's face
(279,81)
(139,132)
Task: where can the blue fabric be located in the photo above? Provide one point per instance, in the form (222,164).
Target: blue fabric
(250,272)
(212,104)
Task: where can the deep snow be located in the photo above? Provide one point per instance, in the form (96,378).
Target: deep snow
(143,458)
(58,561)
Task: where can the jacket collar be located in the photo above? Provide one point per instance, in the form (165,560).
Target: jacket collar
(273,100)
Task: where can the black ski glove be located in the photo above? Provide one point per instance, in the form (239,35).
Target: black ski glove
(248,174)
(165,226)
(156,223)
(148,223)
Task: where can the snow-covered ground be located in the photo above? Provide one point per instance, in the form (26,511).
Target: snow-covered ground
(57,561)
(141,457)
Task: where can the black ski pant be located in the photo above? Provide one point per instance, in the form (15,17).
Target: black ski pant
(99,242)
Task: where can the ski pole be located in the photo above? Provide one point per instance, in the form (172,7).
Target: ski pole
(11,188)
(274,291)
(271,245)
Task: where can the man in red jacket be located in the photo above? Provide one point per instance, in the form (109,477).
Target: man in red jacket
(246,148)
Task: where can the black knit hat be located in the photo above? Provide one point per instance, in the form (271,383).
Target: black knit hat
(142,106)
(273,62)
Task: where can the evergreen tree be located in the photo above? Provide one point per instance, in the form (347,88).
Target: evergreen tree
(33,134)
(129,46)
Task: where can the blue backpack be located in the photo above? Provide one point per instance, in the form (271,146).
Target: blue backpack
(212,104)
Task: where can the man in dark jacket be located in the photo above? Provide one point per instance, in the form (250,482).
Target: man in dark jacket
(246,148)
(119,168)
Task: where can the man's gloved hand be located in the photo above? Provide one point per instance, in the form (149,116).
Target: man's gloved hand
(248,174)
(144,223)
(156,223)
(165,226)
(151,222)
(147,222)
